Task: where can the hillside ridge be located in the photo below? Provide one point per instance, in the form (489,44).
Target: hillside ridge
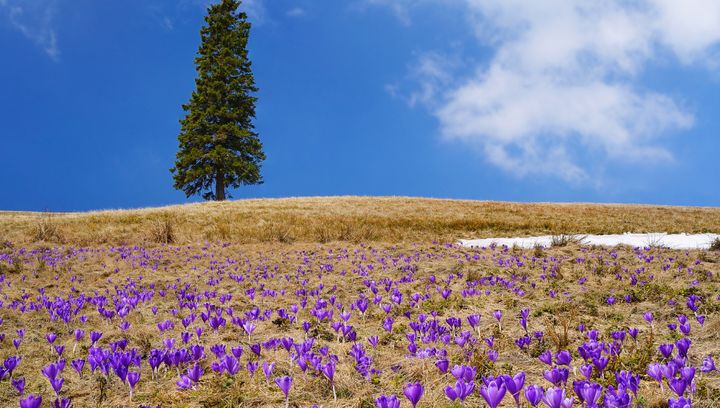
(349,218)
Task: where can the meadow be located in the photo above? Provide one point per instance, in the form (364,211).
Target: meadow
(355,302)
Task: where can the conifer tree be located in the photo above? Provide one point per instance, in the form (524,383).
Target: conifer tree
(219,147)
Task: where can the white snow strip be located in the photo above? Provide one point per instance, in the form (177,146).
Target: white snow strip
(659,239)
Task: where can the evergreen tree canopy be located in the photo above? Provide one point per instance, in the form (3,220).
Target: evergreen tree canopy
(218,144)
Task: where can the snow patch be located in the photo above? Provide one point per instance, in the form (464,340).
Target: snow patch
(660,239)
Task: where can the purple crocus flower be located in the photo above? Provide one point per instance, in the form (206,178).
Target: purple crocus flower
(11,363)
(708,365)
(386,308)
(388,324)
(236,351)
(600,363)
(556,375)
(633,332)
(465,373)
(184,383)
(95,336)
(473,320)
(50,371)
(284,383)
(231,365)
(19,384)
(78,365)
(617,398)
(373,340)
(654,371)
(490,341)
(329,371)
(514,385)
(534,394)
(687,374)
(546,357)
(194,373)
(628,380)
(586,370)
(387,401)
(461,390)
(32,401)
(669,370)
(563,357)
(414,393)
(249,328)
(555,398)
(56,384)
(678,386)
(61,403)
(524,314)
(493,392)
(683,345)
(198,352)
(679,403)
(268,369)
(252,366)
(666,349)
(588,392)
(445,292)
(132,378)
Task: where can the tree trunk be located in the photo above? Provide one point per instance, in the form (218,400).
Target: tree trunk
(219,187)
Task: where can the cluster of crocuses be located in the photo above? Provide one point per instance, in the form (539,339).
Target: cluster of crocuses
(280,314)
(588,392)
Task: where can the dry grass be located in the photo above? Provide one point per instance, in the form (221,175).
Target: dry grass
(563,240)
(46,229)
(162,230)
(351,219)
(715,245)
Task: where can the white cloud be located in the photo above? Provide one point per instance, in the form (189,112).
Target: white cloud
(432,72)
(400,8)
(563,81)
(296,12)
(256,11)
(689,27)
(167,23)
(526,123)
(35,21)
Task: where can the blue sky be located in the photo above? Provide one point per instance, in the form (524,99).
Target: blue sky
(484,99)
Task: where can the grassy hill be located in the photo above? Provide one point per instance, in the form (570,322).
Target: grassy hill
(374,301)
(355,219)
